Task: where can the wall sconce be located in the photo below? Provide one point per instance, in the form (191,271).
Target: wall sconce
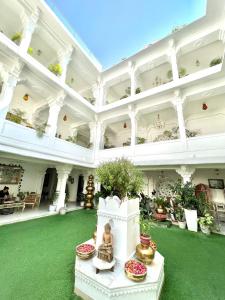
(65,118)
(26,97)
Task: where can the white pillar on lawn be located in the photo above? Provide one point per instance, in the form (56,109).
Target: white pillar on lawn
(185,172)
(173,59)
(55,106)
(29,25)
(63,173)
(64,57)
(6,96)
(133,83)
(178,104)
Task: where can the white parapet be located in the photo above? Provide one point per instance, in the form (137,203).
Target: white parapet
(123,216)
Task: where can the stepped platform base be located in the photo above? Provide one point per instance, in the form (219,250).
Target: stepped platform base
(115,285)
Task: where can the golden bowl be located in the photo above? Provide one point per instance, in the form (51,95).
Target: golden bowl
(85,254)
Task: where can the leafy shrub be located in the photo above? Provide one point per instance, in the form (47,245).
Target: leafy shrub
(56,69)
(120,178)
(215,61)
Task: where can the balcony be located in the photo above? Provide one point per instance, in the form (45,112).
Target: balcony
(24,141)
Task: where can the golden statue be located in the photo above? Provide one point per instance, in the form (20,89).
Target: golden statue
(105,250)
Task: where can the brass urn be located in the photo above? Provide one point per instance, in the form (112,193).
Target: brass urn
(145,253)
(90,193)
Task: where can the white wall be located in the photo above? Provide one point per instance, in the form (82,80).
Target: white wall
(32,178)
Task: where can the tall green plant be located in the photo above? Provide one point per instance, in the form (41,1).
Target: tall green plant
(120,178)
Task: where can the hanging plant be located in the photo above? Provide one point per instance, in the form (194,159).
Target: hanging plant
(30,50)
(182,72)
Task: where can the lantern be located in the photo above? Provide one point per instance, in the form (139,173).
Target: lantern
(125,125)
(204,106)
(26,97)
(65,118)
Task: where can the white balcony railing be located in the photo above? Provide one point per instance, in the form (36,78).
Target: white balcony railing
(21,140)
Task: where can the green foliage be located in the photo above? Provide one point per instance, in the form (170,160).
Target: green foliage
(140,140)
(146,225)
(40,128)
(170,75)
(185,194)
(207,220)
(72,139)
(160,202)
(215,61)
(179,212)
(17,37)
(182,72)
(120,178)
(30,50)
(138,90)
(16,116)
(56,69)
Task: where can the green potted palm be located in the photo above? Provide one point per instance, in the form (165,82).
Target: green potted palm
(180,216)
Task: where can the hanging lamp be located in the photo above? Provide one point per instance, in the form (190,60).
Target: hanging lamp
(26,97)
(124,125)
(65,118)
(204,106)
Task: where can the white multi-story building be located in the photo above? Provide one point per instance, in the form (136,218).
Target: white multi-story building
(163,108)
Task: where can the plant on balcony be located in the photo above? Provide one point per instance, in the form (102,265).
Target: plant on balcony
(128,92)
(120,178)
(16,116)
(167,135)
(17,37)
(40,128)
(157,82)
(127,143)
(170,75)
(182,72)
(90,99)
(56,69)
(191,133)
(138,90)
(215,61)
(30,50)
(72,139)
(107,145)
(141,140)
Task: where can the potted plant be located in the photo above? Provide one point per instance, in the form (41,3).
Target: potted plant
(16,116)
(30,50)
(145,226)
(40,129)
(56,69)
(182,72)
(185,197)
(170,75)
(160,205)
(179,211)
(138,90)
(140,140)
(17,37)
(72,139)
(52,206)
(215,61)
(206,223)
(120,178)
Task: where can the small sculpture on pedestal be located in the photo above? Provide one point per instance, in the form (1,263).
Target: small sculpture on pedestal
(90,193)
(105,250)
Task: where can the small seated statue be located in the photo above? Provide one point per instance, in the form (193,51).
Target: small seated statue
(105,250)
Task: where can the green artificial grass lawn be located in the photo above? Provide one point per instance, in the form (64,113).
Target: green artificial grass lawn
(37,259)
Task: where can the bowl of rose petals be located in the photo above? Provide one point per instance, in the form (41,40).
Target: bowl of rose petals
(85,251)
(135,270)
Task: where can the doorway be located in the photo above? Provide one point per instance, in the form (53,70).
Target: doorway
(49,186)
(80,189)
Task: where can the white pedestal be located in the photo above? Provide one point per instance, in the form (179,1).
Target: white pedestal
(108,285)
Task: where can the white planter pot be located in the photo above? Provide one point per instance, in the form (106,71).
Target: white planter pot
(182,225)
(192,219)
(52,207)
(205,229)
(62,211)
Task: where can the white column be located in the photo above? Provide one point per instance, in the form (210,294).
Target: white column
(173,59)
(92,128)
(186,173)
(63,173)
(133,83)
(102,94)
(73,130)
(133,120)
(64,57)
(10,82)
(178,105)
(55,106)
(29,25)
(99,136)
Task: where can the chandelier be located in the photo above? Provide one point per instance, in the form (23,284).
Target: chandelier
(159,124)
